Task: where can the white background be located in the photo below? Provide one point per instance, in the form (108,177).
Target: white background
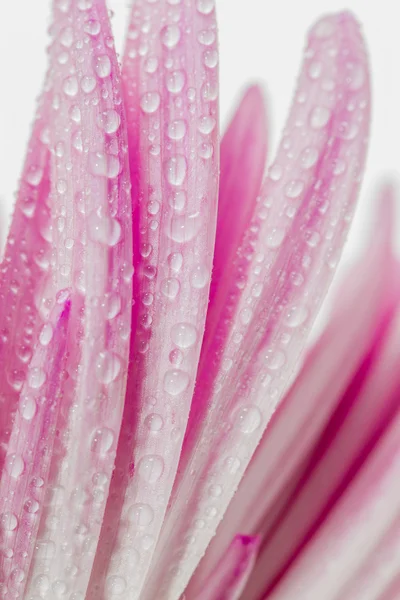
(260,40)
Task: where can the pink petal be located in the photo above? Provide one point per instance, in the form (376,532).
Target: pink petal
(361,517)
(275,468)
(231,573)
(294,243)
(91,262)
(27,463)
(24,267)
(171,97)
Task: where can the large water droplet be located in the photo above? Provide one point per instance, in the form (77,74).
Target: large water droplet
(70,86)
(206,124)
(176,382)
(205,7)
(109,121)
(150,102)
(199,276)
(108,367)
(184,228)
(170,36)
(102,66)
(176,130)
(154,422)
(14,465)
(151,467)
(319,117)
(8,521)
(34,176)
(248,419)
(175,82)
(170,287)
(102,441)
(104,165)
(184,335)
(141,514)
(175,170)
(104,229)
(27,407)
(36,377)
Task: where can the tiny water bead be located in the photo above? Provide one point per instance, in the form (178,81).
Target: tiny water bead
(151,467)
(176,382)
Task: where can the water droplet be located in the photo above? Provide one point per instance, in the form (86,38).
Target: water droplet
(215,490)
(151,467)
(92,27)
(17,576)
(176,382)
(294,188)
(102,66)
(154,422)
(70,86)
(176,130)
(85,4)
(210,58)
(108,367)
(199,277)
(88,84)
(275,172)
(175,170)
(109,121)
(206,150)
(141,514)
(175,261)
(8,521)
(105,165)
(275,238)
(170,287)
(276,360)
(206,124)
(151,65)
(102,441)
(309,157)
(206,37)
(170,36)
(324,28)
(175,81)
(27,407)
(248,419)
(104,229)
(14,465)
(315,70)
(150,102)
(296,316)
(184,228)
(75,114)
(34,176)
(115,585)
(61,186)
(178,200)
(319,117)
(113,306)
(205,7)
(184,335)
(31,506)
(355,75)
(36,378)
(232,464)
(66,37)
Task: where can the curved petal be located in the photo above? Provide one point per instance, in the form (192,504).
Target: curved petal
(91,262)
(171,98)
(294,243)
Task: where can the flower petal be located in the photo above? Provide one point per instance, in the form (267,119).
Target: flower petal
(231,573)
(294,243)
(328,370)
(92,263)
(171,86)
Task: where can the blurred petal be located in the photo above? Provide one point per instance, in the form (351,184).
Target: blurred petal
(24,266)
(231,573)
(294,243)
(274,471)
(171,97)
(91,263)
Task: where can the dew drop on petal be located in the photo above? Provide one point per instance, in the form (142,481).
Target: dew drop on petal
(175,170)
(319,117)
(150,102)
(154,422)
(141,514)
(14,465)
(176,382)
(170,36)
(102,441)
(184,335)
(108,367)
(248,419)
(151,467)
(102,66)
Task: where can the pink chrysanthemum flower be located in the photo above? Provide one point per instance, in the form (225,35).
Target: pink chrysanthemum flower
(157,292)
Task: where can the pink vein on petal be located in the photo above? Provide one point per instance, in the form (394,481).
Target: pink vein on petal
(171,98)
(295,240)
(91,262)
(232,571)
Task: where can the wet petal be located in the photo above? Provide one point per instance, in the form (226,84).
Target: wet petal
(91,262)
(294,244)
(171,87)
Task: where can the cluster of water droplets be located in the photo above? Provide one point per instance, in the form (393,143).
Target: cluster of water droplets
(283,266)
